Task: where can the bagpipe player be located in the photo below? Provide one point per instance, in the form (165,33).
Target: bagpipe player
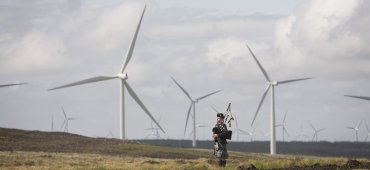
(220,134)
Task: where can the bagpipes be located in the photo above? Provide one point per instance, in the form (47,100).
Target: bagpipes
(228,118)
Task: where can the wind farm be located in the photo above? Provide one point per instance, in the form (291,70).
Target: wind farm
(63,54)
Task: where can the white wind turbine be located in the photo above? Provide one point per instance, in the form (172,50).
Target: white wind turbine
(359,97)
(368,131)
(13,84)
(192,105)
(238,130)
(301,134)
(110,134)
(316,132)
(271,85)
(356,128)
(123,79)
(252,133)
(153,130)
(66,121)
(283,125)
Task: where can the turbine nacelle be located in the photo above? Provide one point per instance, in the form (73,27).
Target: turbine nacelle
(122,76)
(274,83)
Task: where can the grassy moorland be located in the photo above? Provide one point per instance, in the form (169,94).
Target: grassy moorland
(45,150)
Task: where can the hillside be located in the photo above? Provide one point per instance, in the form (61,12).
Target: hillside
(20,149)
(21,140)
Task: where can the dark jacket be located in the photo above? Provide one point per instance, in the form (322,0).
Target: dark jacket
(222,134)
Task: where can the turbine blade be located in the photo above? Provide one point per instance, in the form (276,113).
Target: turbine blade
(350,128)
(14,84)
(286,131)
(138,101)
(215,109)
(359,124)
(85,81)
(360,97)
(284,117)
(133,41)
(259,65)
(65,115)
(244,132)
(293,80)
(61,127)
(321,129)
(187,117)
(200,98)
(186,93)
(312,126)
(200,126)
(262,99)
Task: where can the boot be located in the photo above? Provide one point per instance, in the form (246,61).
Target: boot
(220,163)
(224,163)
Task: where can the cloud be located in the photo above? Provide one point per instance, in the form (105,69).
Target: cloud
(319,31)
(36,51)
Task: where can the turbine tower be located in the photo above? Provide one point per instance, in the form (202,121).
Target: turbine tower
(14,84)
(122,76)
(192,105)
(271,85)
(283,125)
(356,128)
(66,121)
(52,122)
(316,132)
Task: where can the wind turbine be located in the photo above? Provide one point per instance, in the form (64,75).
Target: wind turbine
(238,130)
(359,97)
(123,79)
(356,128)
(192,105)
(154,130)
(271,85)
(368,131)
(316,132)
(301,134)
(110,134)
(283,125)
(66,121)
(14,84)
(252,133)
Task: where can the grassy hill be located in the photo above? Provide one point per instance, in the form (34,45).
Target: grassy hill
(21,149)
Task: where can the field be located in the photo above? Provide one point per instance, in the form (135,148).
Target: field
(55,150)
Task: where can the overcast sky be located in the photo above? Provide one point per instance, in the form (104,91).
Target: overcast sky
(201,43)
